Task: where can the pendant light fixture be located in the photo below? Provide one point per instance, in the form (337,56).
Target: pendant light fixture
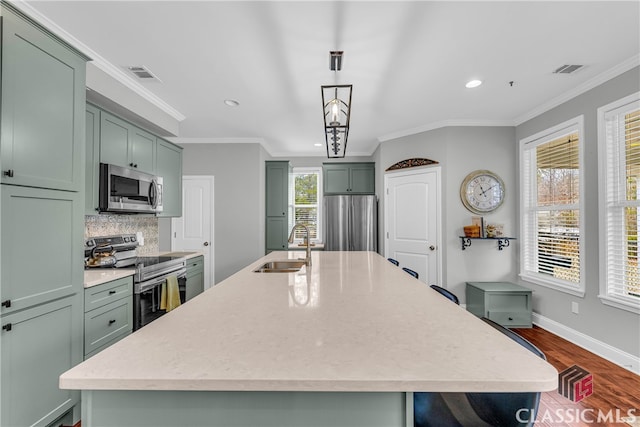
(336,105)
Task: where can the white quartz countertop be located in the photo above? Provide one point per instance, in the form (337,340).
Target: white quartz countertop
(97,276)
(351,322)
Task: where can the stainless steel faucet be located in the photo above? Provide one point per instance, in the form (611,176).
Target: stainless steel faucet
(307,260)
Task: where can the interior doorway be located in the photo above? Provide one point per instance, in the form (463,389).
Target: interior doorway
(413,221)
(194,230)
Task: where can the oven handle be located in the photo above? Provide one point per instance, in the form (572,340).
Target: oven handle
(149,284)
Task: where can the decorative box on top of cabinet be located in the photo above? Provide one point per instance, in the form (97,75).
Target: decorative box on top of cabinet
(503,302)
(349,178)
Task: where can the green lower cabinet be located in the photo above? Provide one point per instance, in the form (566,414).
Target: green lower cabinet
(38,345)
(276,238)
(108,314)
(195,277)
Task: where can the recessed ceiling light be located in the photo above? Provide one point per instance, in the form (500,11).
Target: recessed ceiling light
(231,102)
(473,83)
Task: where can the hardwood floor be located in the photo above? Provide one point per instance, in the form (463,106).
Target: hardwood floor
(615,389)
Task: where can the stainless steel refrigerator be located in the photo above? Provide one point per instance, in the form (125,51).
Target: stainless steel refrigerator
(351,223)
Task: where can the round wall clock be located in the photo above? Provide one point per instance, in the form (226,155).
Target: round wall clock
(482,191)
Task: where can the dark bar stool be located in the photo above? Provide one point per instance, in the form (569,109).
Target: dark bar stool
(446,293)
(411,272)
(393,261)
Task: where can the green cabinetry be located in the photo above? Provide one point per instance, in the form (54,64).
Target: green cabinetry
(349,178)
(108,314)
(110,139)
(43,93)
(123,144)
(277,205)
(38,345)
(92,168)
(195,277)
(41,216)
(503,302)
(169,167)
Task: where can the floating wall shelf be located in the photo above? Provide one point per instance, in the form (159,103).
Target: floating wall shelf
(503,242)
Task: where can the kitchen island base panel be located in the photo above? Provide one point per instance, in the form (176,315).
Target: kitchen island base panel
(108,408)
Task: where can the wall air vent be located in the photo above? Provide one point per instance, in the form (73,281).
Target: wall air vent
(568,69)
(141,72)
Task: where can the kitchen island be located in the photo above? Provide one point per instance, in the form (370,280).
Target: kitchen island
(337,343)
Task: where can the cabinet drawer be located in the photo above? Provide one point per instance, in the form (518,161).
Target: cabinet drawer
(105,293)
(511,318)
(107,344)
(105,323)
(195,265)
(508,301)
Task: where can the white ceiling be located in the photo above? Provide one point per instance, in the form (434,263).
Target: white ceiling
(408,61)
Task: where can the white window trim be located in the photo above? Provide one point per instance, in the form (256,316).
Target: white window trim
(604,295)
(570,126)
(309,169)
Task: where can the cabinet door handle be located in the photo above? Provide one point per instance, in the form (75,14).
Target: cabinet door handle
(8,173)
(112,321)
(112,292)
(6,303)
(7,327)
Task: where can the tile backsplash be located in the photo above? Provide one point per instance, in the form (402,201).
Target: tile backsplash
(109,225)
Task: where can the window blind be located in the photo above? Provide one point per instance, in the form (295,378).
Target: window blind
(306,208)
(622,170)
(551,220)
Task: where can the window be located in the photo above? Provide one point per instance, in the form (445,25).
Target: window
(551,206)
(619,153)
(306,202)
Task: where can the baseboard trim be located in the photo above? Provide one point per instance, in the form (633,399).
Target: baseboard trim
(604,350)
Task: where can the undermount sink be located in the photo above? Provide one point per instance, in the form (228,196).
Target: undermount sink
(284,266)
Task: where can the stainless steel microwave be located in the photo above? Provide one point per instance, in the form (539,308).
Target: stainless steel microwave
(126,190)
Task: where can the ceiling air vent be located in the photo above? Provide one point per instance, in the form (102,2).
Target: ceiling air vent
(141,72)
(568,69)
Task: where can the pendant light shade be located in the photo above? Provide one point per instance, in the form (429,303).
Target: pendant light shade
(336,103)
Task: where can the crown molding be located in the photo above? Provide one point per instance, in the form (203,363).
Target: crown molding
(601,78)
(444,124)
(98,61)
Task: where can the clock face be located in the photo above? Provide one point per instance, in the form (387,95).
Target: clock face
(482,191)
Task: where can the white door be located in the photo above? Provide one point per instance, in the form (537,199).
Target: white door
(194,230)
(412,221)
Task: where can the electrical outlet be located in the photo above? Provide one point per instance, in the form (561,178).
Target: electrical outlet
(574,307)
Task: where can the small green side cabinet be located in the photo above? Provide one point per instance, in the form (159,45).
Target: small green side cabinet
(503,302)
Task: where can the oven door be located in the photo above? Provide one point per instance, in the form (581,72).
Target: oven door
(147,296)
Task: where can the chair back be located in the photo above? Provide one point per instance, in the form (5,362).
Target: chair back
(411,272)
(446,293)
(393,261)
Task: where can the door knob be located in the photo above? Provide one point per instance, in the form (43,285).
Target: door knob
(433,248)
(206,243)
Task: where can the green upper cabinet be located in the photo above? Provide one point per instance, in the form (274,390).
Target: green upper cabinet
(169,167)
(126,145)
(43,103)
(92,168)
(277,205)
(349,178)
(277,191)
